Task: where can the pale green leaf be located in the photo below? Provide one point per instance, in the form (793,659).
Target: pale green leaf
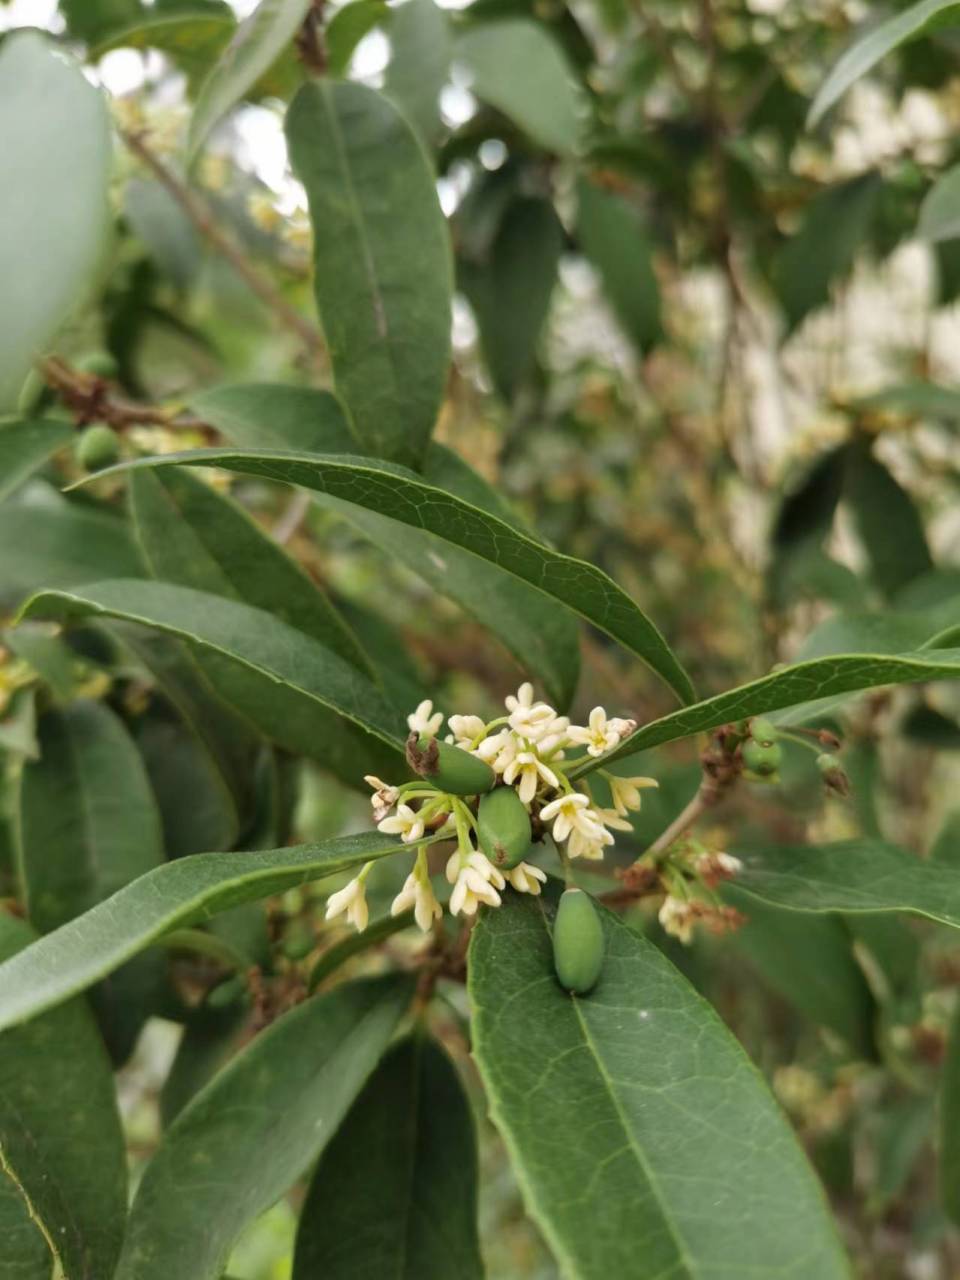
(60,1135)
(871,48)
(25,447)
(256,45)
(347,28)
(174,896)
(57,154)
(419,66)
(243,1140)
(613,237)
(405,497)
(887,520)
(940,211)
(383,283)
(395,1192)
(516,66)
(645,1142)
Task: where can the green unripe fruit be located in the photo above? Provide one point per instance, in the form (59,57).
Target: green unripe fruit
(447,767)
(97,447)
(227,993)
(762,760)
(827,763)
(503,827)
(762,731)
(578,942)
(100,364)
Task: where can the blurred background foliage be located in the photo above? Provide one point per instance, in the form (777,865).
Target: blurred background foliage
(706,347)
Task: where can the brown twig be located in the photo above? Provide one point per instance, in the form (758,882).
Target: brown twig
(309,39)
(93,399)
(199,214)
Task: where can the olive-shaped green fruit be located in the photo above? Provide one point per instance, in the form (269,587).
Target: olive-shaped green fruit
(99,363)
(447,767)
(762,760)
(577,942)
(762,731)
(503,827)
(97,447)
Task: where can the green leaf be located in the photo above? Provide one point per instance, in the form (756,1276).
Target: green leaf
(613,237)
(644,1140)
(87,820)
(518,68)
(56,134)
(210,1039)
(540,634)
(25,447)
(801,683)
(285,676)
(356,943)
(395,1192)
(946,847)
(347,28)
(257,44)
(53,542)
(852,876)
(25,1252)
(825,246)
(402,496)
(510,290)
(383,283)
(60,1135)
(193,38)
(174,896)
(254,1130)
(419,67)
(865,53)
(950,1124)
(940,211)
(887,521)
(195,537)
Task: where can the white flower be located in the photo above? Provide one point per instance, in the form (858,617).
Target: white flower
(526,878)
(424,720)
(610,818)
(475,879)
(581,845)
(384,796)
(626,792)
(623,728)
(417,892)
(600,736)
(405,823)
(571,813)
(529,768)
(677,918)
(531,720)
(465,729)
(499,750)
(352,902)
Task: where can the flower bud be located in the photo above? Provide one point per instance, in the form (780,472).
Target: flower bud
(833,774)
(97,447)
(761,759)
(762,731)
(447,767)
(578,942)
(503,827)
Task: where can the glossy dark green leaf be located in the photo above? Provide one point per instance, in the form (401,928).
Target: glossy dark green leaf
(174,896)
(60,1134)
(540,634)
(419,67)
(405,497)
(196,537)
(210,1039)
(383,284)
(604,1102)
(509,291)
(25,1253)
(197,808)
(256,45)
(612,235)
(516,66)
(852,876)
(347,28)
(887,520)
(871,48)
(242,1141)
(395,1192)
(56,132)
(800,684)
(825,246)
(296,675)
(26,446)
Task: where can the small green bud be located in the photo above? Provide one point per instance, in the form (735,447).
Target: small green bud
(97,447)
(762,760)
(100,364)
(578,942)
(231,991)
(447,767)
(762,731)
(831,767)
(503,827)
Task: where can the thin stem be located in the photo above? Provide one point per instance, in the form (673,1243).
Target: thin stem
(91,400)
(693,811)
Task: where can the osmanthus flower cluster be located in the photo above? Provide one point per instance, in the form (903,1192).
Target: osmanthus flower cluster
(490,785)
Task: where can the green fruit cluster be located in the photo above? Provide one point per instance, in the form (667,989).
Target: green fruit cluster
(761,752)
